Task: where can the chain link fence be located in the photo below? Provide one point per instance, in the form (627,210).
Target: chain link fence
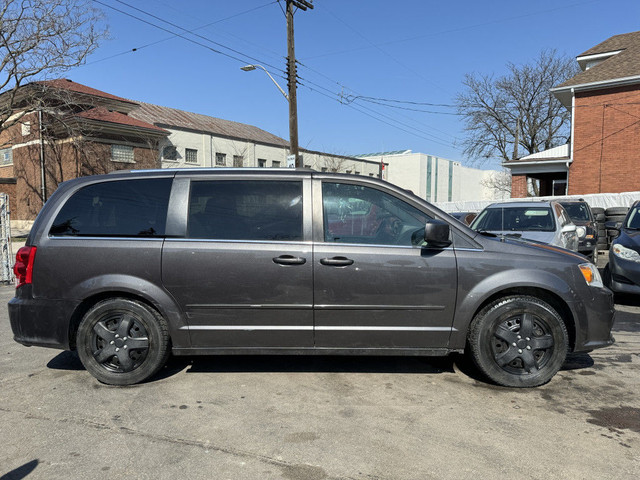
(6,262)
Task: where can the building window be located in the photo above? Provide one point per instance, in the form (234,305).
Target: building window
(6,156)
(324,169)
(348,171)
(122,153)
(307,166)
(238,161)
(356,173)
(170,153)
(262,162)
(190,155)
(275,164)
(221,159)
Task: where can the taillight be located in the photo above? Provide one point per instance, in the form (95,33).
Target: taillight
(24,265)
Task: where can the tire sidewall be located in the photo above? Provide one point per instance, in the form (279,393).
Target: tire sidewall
(482,335)
(149,319)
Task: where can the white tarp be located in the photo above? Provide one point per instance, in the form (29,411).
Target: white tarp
(604,200)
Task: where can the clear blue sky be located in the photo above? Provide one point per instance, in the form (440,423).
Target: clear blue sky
(415,50)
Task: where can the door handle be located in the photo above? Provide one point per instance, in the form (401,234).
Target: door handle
(289,260)
(336,261)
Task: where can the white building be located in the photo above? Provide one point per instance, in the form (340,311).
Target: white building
(437,179)
(197,140)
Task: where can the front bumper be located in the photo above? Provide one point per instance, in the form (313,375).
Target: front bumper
(625,275)
(39,322)
(594,320)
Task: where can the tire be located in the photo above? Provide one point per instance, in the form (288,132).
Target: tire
(616,218)
(616,211)
(600,217)
(499,326)
(597,211)
(122,341)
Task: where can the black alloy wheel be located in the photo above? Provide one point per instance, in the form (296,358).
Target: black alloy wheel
(518,341)
(122,341)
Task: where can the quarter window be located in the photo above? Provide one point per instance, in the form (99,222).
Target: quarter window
(123,208)
(246,210)
(359,214)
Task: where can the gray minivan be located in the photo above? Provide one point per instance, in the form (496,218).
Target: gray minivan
(130,267)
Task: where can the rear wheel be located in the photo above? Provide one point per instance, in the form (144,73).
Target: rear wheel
(122,341)
(518,341)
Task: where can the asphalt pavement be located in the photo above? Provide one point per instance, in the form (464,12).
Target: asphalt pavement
(312,418)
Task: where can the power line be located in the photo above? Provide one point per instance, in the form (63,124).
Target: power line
(188,31)
(137,49)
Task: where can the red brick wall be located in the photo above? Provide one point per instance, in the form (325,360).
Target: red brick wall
(518,186)
(606,143)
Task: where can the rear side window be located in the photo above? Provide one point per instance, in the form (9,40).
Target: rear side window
(245,210)
(122,208)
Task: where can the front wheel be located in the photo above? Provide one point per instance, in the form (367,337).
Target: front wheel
(122,341)
(518,341)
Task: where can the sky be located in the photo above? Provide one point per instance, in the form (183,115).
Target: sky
(415,53)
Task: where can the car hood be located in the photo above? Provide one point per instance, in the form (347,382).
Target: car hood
(629,238)
(533,247)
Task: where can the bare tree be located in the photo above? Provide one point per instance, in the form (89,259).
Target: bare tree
(41,38)
(499,183)
(516,113)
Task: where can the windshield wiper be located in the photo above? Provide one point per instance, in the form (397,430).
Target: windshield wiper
(487,234)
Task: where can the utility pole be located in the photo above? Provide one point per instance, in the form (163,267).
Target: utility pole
(292,77)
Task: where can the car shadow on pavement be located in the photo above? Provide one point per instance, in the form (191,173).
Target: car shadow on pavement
(577,361)
(324,364)
(20,472)
(66,361)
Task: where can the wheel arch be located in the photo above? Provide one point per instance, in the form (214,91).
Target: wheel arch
(552,298)
(133,289)
(536,283)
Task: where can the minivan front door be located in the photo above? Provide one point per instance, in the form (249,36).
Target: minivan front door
(375,284)
(243,274)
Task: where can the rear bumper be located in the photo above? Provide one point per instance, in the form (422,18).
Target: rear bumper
(43,323)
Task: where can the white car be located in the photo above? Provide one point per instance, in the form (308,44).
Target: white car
(545,222)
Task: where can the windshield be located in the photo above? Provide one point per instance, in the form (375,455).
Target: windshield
(527,219)
(633,220)
(577,211)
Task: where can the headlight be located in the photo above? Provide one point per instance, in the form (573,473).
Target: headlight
(591,274)
(625,253)
(581,231)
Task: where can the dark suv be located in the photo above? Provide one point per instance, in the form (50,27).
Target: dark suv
(587,229)
(129,267)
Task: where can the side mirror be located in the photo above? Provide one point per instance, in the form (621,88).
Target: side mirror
(436,234)
(569,228)
(613,225)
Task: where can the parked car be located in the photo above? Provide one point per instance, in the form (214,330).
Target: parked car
(545,222)
(586,226)
(128,267)
(464,217)
(622,273)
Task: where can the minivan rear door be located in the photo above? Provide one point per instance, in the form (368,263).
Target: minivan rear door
(375,286)
(242,271)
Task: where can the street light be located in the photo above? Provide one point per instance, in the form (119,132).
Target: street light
(248,68)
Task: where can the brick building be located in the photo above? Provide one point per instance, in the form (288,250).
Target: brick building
(62,130)
(604,100)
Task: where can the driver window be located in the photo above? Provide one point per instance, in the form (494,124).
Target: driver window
(364,215)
